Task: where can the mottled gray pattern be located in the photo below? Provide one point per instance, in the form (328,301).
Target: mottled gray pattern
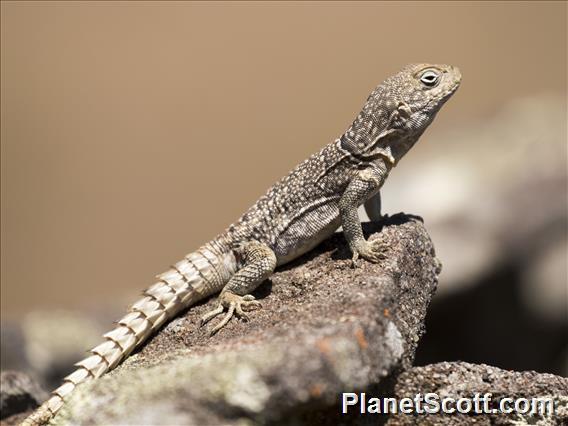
(302,209)
(297,213)
(323,192)
(299,206)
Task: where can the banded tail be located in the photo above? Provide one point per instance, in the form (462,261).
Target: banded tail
(198,275)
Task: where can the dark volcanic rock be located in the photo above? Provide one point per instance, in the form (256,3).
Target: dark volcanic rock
(325,328)
(463,380)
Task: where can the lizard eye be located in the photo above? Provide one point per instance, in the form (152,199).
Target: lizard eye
(430,78)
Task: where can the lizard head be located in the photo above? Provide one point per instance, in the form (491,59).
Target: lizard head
(416,94)
(402,106)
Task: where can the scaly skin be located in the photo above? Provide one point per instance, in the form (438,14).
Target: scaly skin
(297,213)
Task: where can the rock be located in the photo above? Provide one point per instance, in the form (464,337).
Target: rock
(461,379)
(55,340)
(18,393)
(494,194)
(13,349)
(543,290)
(47,343)
(325,328)
(498,182)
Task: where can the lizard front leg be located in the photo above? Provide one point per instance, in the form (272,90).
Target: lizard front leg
(357,192)
(258,262)
(373,208)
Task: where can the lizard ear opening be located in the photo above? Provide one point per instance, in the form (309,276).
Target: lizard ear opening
(404,110)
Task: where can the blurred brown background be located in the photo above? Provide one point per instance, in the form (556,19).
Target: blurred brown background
(134,132)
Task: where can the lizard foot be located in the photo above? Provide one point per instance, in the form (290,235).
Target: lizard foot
(372,251)
(235,304)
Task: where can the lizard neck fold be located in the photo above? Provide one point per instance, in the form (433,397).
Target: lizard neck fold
(371,152)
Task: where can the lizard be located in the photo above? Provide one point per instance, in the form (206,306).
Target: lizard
(302,209)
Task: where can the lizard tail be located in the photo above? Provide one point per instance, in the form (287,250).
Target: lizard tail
(198,275)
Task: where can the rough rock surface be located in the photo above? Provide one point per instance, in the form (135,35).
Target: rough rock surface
(324,328)
(499,220)
(47,343)
(461,379)
(18,393)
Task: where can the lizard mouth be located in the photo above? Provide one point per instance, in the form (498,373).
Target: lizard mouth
(440,100)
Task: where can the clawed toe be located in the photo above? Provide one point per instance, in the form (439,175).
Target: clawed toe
(251,305)
(235,304)
(373,251)
(210,315)
(241,314)
(224,321)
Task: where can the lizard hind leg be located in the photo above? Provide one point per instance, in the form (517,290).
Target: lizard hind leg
(258,262)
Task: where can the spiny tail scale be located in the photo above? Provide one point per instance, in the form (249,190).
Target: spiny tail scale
(394,117)
(198,275)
